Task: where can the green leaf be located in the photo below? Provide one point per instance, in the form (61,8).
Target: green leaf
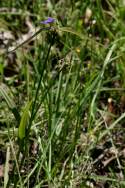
(70,30)
(24,121)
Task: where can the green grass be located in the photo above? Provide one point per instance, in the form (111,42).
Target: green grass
(62,94)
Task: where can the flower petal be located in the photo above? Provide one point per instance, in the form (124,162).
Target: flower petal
(49,20)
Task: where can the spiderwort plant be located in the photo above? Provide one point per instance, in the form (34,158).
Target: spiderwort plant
(36,106)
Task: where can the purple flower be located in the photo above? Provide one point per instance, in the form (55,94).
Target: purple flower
(48,21)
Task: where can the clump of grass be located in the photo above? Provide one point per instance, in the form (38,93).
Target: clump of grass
(62,113)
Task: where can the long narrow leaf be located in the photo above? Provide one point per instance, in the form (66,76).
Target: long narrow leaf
(24,121)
